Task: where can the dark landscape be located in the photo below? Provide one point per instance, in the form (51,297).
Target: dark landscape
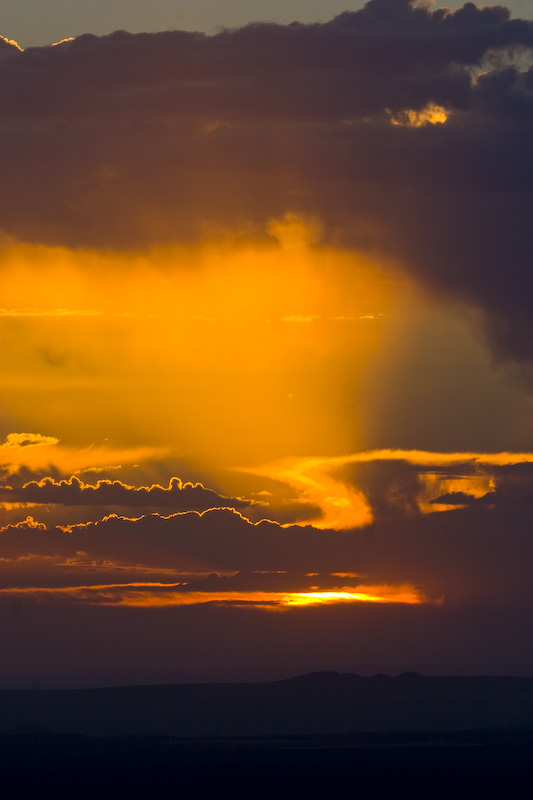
(318,735)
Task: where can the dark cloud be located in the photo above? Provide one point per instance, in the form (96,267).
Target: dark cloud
(218,539)
(74,492)
(513,486)
(464,556)
(391,488)
(130,141)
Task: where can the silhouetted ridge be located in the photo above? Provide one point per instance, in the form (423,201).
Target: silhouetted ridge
(320,703)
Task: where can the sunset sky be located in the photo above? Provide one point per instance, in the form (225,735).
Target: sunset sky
(266,338)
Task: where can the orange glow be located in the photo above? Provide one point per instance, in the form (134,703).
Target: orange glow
(231,336)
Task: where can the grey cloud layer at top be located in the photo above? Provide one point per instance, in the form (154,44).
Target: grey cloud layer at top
(133,141)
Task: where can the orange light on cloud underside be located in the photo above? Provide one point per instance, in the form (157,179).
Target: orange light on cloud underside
(157,595)
(430,115)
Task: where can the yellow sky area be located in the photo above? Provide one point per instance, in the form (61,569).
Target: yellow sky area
(154,595)
(234,351)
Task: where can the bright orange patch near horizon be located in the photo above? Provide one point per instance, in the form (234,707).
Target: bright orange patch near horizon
(368,594)
(157,595)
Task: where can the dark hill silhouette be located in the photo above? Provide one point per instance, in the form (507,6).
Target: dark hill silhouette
(323,703)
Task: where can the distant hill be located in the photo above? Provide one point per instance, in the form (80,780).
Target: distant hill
(323,703)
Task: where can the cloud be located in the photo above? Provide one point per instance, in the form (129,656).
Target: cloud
(74,492)
(132,141)
(17,440)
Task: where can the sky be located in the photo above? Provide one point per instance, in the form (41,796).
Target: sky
(265,339)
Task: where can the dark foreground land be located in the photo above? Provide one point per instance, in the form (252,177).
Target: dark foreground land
(319,736)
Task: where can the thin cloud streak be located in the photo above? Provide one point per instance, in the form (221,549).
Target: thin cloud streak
(157,595)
